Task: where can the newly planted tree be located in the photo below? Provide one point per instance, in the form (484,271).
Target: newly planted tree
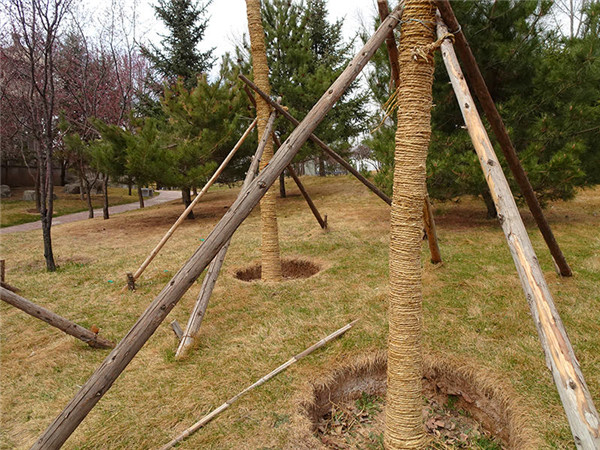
(403,417)
(306,53)
(271,260)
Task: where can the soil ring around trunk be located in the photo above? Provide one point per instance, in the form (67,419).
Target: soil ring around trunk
(292,269)
(464,407)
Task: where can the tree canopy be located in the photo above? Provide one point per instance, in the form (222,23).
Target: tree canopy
(536,79)
(179,55)
(306,53)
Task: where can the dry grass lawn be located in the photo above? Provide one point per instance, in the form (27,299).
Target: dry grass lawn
(474,309)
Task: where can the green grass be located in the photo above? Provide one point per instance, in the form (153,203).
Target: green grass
(474,310)
(14,211)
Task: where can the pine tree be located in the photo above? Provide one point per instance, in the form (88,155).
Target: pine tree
(306,54)
(179,56)
(527,71)
(200,125)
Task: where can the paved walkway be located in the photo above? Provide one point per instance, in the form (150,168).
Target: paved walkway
(162,197)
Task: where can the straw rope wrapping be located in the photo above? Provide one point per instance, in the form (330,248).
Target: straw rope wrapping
(271,261)
(403,421)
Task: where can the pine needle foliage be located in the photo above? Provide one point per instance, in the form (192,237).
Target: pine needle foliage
(546,90)
(179,55)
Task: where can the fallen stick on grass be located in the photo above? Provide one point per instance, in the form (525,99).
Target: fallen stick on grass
(91,338)
(264,379)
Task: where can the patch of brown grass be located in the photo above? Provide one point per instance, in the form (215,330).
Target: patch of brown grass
(474,307)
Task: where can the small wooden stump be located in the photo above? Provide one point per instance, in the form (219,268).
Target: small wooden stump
(3,282)
(177,330)
(130,281)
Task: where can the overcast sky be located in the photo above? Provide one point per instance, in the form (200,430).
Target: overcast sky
(227,20)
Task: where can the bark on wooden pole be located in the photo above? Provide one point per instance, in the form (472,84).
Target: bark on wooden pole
(560,357)
(311,205)
(430,230)
(390,43)
(65,325)
(428,219)
(208,284)
(319,142)
(185,213)
(3,282)
(103,378)
(489,108)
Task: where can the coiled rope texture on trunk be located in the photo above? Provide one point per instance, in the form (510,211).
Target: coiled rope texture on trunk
(271,260)
(403,420)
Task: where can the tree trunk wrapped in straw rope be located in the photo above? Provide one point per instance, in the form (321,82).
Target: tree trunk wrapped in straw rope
(271,261)
(403,422)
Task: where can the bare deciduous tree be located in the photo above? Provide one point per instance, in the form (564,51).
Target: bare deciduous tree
(37,24)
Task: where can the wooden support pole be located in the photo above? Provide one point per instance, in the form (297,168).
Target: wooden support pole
(560,357)
(319,142)
(177,330)
(130,281)
(250,96)
(311,205)
(185,213)
(434,248)
(3,282)
(390,43)
(393,56)
(103,378)
(210,280)
(489,108)
(65,325)
(263,380)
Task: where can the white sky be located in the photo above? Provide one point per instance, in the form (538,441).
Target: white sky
(228,23)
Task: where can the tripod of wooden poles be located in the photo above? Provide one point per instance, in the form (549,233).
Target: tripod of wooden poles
(577,402)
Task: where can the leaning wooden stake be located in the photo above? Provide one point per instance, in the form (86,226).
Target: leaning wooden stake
(185,213)
(103,378)
(390,43)
(319,142)
(560,358)
(65,325)
(430,231)
(489,108)
(3,282)
(311,205)
(208,284)
(263,380)
(393,56)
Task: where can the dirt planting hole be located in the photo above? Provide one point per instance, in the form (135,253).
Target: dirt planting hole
(464,407)
(292,269)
